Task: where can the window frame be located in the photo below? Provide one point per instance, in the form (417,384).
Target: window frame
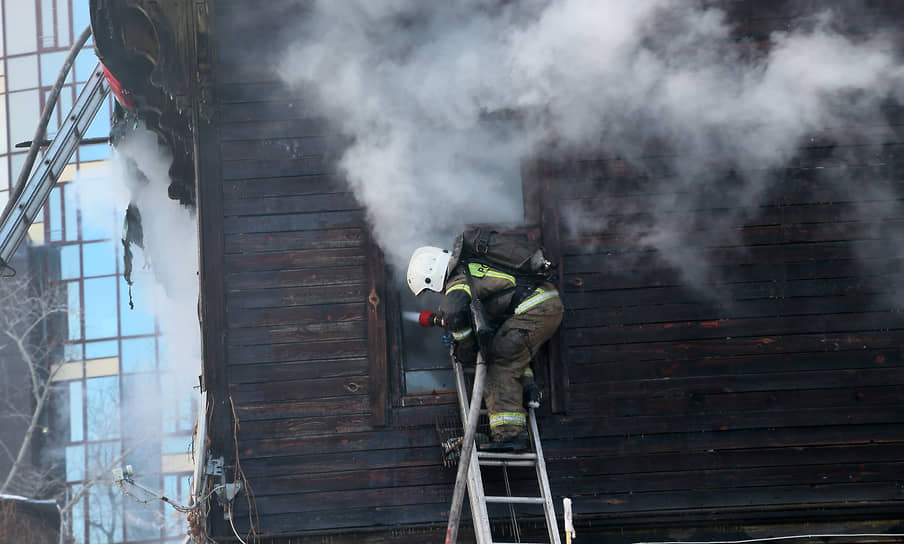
(400,397)
(390,404)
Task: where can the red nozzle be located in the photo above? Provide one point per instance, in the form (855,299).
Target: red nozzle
(426,319)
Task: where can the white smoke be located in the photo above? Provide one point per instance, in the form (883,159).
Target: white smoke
(165,286)
(165,271)
(443,101)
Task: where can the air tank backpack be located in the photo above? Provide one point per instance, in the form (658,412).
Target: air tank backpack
(513,253)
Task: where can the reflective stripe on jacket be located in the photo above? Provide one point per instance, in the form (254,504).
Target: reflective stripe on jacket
(539,295)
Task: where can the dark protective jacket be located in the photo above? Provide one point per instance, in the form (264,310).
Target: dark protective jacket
(505,271)
(502,294)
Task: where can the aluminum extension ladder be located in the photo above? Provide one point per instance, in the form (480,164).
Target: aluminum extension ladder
(29,199)
(476,459)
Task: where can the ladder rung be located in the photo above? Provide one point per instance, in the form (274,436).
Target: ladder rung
(490,463)
(516,500)
(530,456)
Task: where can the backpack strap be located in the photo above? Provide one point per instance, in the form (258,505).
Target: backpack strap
(483,242)
(524,286)
(522,290)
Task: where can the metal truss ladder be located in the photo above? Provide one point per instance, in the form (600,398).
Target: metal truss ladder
(478,499)
(29,199)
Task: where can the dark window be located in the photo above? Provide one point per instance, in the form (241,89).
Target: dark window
(426,362)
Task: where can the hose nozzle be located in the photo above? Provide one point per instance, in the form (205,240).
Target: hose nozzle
(429,319)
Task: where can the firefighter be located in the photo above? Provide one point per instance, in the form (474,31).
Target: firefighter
(524,314)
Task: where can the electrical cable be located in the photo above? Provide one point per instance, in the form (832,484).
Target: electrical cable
(232,524)
(239,475)
(513,518)
(777,538)
(155,496)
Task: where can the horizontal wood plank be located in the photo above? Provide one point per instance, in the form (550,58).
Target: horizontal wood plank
(294,277)
(294,204)
(314,330)
(283,186)
(342,219)
(323,367)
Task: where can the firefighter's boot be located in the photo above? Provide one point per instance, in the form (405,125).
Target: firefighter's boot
(518,442)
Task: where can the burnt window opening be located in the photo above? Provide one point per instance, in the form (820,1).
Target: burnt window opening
(426,364)
(420,366)
(410,366)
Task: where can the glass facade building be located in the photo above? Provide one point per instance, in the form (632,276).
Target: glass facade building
(112,357)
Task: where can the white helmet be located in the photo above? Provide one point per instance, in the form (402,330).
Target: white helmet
(427,269)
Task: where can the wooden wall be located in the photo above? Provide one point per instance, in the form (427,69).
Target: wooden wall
(763,377)
(767,390)
(775,384)
(290,292)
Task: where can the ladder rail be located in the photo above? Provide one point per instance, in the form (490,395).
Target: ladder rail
(468,448)
(473,480)
(480,518)
(548,510)
(21,213)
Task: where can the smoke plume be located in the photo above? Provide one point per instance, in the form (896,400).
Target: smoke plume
(165,270)
(443,100)
(165,290)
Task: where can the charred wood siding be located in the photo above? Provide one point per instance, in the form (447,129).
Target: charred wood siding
(296,284)
(303,360)
(767,388)
(755,366)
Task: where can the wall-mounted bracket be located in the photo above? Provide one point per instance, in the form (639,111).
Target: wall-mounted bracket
(225,491)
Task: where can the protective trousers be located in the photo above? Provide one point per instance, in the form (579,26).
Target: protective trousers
(514,345)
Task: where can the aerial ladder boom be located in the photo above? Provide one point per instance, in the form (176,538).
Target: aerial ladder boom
(30,198)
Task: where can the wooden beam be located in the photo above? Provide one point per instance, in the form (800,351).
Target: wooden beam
(376,333)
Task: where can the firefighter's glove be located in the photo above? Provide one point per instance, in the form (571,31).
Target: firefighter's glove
(465,352)
(532,396)
(448,339)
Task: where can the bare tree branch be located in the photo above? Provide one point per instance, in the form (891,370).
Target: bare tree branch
(7,451)
(26,440)
(28,309)
(30,364)
(101,476)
